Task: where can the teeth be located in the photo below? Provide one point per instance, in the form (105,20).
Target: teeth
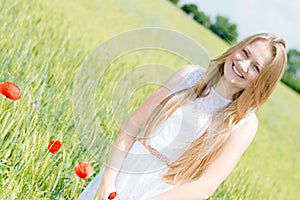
(237,72)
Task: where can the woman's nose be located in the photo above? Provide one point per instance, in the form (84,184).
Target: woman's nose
(244,64)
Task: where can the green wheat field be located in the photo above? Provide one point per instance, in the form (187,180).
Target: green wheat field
(42,45)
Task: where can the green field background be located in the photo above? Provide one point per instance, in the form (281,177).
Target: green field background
(42,45)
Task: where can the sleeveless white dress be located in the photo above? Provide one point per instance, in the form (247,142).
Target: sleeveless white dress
(140,175)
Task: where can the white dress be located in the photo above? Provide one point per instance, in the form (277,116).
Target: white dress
(140,176)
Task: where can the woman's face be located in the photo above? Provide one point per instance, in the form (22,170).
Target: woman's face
(241,69)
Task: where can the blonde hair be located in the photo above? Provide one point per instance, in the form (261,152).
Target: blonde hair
(209,145)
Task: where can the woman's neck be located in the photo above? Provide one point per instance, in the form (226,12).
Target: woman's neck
(223,89)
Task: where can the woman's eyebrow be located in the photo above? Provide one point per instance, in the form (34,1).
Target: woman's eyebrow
(256,60)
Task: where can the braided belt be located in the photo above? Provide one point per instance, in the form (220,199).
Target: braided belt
(154,152)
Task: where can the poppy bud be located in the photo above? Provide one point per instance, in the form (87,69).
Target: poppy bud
(54,146)
(112,195)
(83,170)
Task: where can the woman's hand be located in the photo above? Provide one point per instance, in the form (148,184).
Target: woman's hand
(106,187)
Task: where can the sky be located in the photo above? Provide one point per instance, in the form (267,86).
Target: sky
(279,17)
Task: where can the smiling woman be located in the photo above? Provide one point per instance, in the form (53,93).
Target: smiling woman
(244,66)
(198,130)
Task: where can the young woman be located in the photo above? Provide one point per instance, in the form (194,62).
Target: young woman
(194,132)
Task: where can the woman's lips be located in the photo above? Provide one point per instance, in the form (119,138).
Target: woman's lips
(237,72)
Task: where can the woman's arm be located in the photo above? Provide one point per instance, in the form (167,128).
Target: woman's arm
(219,169)
(131,128)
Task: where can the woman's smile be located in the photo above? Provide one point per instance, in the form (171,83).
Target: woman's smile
(236,71)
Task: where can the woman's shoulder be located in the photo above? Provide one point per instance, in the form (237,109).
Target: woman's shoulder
(192,69)
(190,75)
(244,131)
(249,118)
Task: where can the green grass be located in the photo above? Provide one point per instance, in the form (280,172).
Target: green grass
(43,43)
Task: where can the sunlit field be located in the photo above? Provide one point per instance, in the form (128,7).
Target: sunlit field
(44,43)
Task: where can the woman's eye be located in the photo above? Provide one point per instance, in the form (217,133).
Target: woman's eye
(245,53)
(257,68)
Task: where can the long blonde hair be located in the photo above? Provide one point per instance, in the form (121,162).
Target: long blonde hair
(202,151)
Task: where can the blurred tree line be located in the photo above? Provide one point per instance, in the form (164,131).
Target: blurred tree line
(221,27)
(291,77)
(228,32)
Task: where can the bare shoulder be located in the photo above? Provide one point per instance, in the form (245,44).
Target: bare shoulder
(249,121)
(183,72)
(245,130)
(189,68)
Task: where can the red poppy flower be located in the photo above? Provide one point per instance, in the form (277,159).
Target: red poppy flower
(83,170)
(112,195)
(10,90)
(54,146)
